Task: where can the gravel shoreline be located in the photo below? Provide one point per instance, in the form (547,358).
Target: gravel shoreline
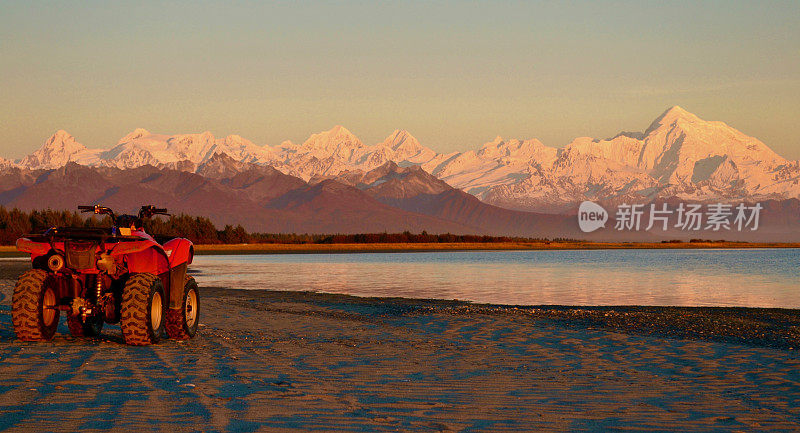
(299,361)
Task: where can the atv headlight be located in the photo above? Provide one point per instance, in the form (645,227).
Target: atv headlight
(55,263)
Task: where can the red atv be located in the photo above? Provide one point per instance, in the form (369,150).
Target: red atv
(98,275)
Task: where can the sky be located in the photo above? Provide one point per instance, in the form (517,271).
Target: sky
(454,74)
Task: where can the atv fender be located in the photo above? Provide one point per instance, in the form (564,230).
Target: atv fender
(143,256)
(125,248)
(179,250)
(181,253)
(26,245)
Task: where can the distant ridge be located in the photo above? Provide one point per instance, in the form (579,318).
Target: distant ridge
(678,156)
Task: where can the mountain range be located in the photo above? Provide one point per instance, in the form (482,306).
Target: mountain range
(263,199)
(333,182)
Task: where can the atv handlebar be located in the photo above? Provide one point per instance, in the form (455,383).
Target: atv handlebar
(98,210)
(146,211)
(150,210)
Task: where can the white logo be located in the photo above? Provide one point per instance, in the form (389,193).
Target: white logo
(591,216)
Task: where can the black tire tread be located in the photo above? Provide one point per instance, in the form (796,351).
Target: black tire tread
(25,313)
(176,319)
(75,325)
(79,329)
(134,317)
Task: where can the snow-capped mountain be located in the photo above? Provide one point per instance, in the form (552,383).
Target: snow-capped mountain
(6,163)
(141,147)
(678,155)
(498,162)
(58,150)
(332,152)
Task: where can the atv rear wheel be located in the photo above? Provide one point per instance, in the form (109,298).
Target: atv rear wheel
(182,323)
(78,328)
(142,311)
(34,307)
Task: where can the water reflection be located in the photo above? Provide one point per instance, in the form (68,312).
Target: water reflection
(757,278)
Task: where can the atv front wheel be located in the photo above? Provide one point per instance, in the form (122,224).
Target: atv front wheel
(34,307)
(78,328)
(182,323)
(142,312)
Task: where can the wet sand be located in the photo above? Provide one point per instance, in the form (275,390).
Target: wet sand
(11,251)
(294,361)
(472,246)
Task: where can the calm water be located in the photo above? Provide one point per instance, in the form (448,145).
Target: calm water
(754,278)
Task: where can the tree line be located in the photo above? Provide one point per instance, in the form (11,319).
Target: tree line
(200,230)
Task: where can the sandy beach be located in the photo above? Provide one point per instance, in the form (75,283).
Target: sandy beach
(298,361)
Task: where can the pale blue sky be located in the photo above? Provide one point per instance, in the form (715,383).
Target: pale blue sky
(455,74)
